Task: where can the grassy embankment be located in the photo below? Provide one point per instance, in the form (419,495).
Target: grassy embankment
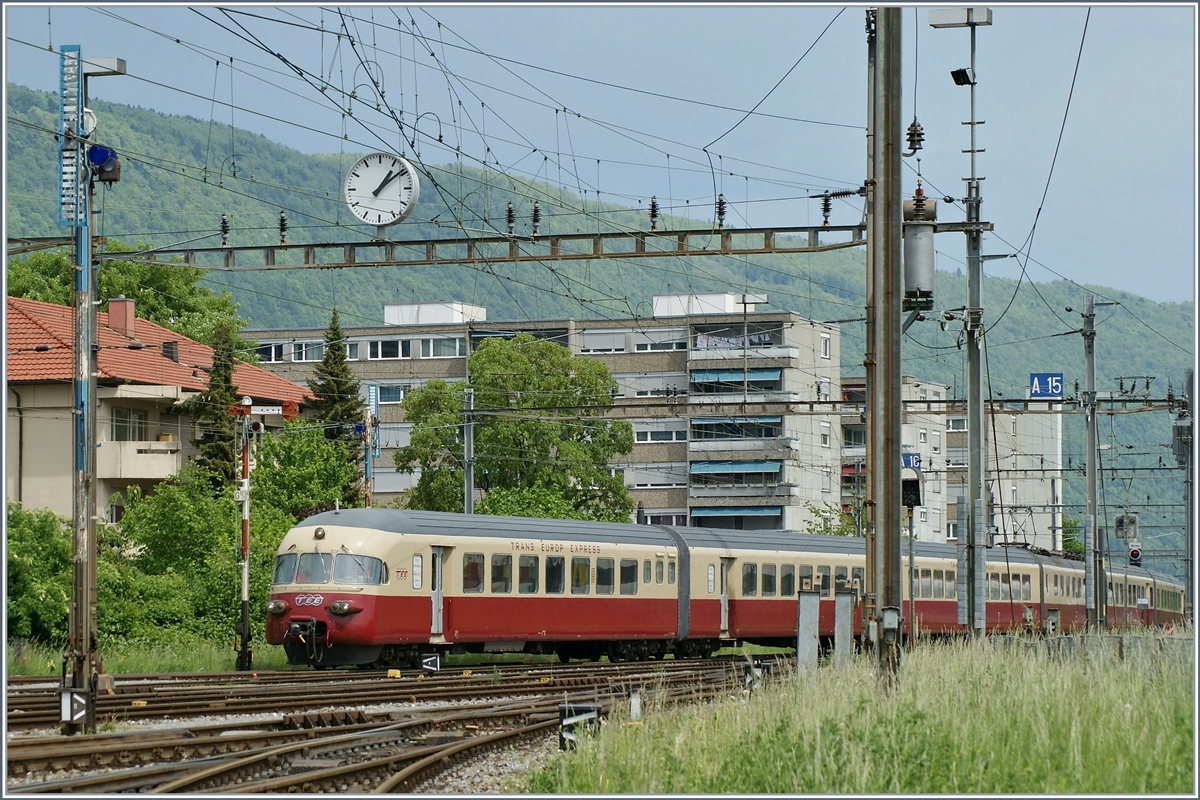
(966,718)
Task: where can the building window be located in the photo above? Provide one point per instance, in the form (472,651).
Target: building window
(937,441)
(603,342)
(308,351)
(270,353)
(923,516)
(922,394)
(824,434)
(389,348)
(352,351)
(854,437)
(952,530)
(128,425)
(923,436)
(937,395)
(677,520)
(1014,426)
(956,423)
(652,347)
(443,348)
(391,394)
(737,428)
(826,479)
(825,345)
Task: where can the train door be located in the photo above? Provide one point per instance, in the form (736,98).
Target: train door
(725,565)
(435,584)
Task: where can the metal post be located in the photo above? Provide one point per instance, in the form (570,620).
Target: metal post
(245,657)
(889,291)
(468,452)
(912,586)
(1095,612)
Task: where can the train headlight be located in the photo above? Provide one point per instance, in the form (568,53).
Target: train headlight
(276,606)
(343,607)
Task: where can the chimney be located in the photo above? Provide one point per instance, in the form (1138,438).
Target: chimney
(171,350)
(120,316)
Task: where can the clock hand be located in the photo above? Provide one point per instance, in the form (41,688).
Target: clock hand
(387,179)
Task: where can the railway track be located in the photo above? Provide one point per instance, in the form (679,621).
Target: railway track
(348,749)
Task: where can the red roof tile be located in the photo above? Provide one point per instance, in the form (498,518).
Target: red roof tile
(33,324)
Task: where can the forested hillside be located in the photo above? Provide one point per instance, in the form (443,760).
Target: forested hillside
(180,174)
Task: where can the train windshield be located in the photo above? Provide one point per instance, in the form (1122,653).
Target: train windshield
(352,568)
(314,567)
(285,568)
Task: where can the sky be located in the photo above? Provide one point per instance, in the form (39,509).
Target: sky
(625,101)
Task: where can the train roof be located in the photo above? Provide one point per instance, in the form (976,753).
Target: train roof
(437,523)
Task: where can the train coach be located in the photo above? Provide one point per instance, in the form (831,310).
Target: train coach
(378,587)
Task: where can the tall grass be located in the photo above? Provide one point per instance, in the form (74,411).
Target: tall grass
(965,717)
(185,655)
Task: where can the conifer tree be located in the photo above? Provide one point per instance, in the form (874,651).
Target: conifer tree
(219,441)
(337,401)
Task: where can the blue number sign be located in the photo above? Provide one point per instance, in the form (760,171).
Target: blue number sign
(1045,385)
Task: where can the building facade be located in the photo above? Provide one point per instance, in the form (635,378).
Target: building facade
(732,409)
(144,370)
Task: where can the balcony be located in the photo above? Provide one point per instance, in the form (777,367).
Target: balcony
(138,460)
(778,447)
(725,355)
(773,491)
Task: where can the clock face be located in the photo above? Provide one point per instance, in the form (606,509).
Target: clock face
(381,189)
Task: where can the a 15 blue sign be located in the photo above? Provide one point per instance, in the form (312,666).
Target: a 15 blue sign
(1046,385)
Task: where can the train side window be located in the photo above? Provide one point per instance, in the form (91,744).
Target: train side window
(712,578)
(951,585)
(629,579)
(556,574)
(658,571)
(604,576)
(581,575)
(417,563)
(285,568)
(856,580)
(806,578)
(926,583)
(501,574)
(646,571)
(749,580)
(938,586)
(768,580)
(671,572)
(823,580)
(787,580)
(1026,588)
(527,574)
(993,585)
(1004,586)
(839,578)
(472,572)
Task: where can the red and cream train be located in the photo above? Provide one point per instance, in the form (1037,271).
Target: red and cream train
(378,587)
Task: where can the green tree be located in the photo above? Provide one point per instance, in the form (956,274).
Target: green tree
(1072,536)
(169,295)
(38,590)
(536,501)
(300,472)
(338,404)
(828,519)
(540,426)
(220,440)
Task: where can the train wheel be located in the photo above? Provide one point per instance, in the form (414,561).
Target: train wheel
(564,655)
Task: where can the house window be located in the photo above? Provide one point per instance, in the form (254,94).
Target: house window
(128,425)
(824,434)
(308,351)
(443,348)
(854,437)
(826,479)
(923,436)
(825,345)
(924,516)
(270,353)
(956,423)
(352,351)
(952,530)
(389,348)
(937,441)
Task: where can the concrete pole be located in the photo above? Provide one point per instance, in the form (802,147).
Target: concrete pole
(976,475)
(245,658)
(870,610)
(889,290)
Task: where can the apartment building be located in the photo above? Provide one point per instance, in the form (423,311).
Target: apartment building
(730,406)
(1023,462)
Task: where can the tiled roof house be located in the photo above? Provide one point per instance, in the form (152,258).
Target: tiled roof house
(143,370)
